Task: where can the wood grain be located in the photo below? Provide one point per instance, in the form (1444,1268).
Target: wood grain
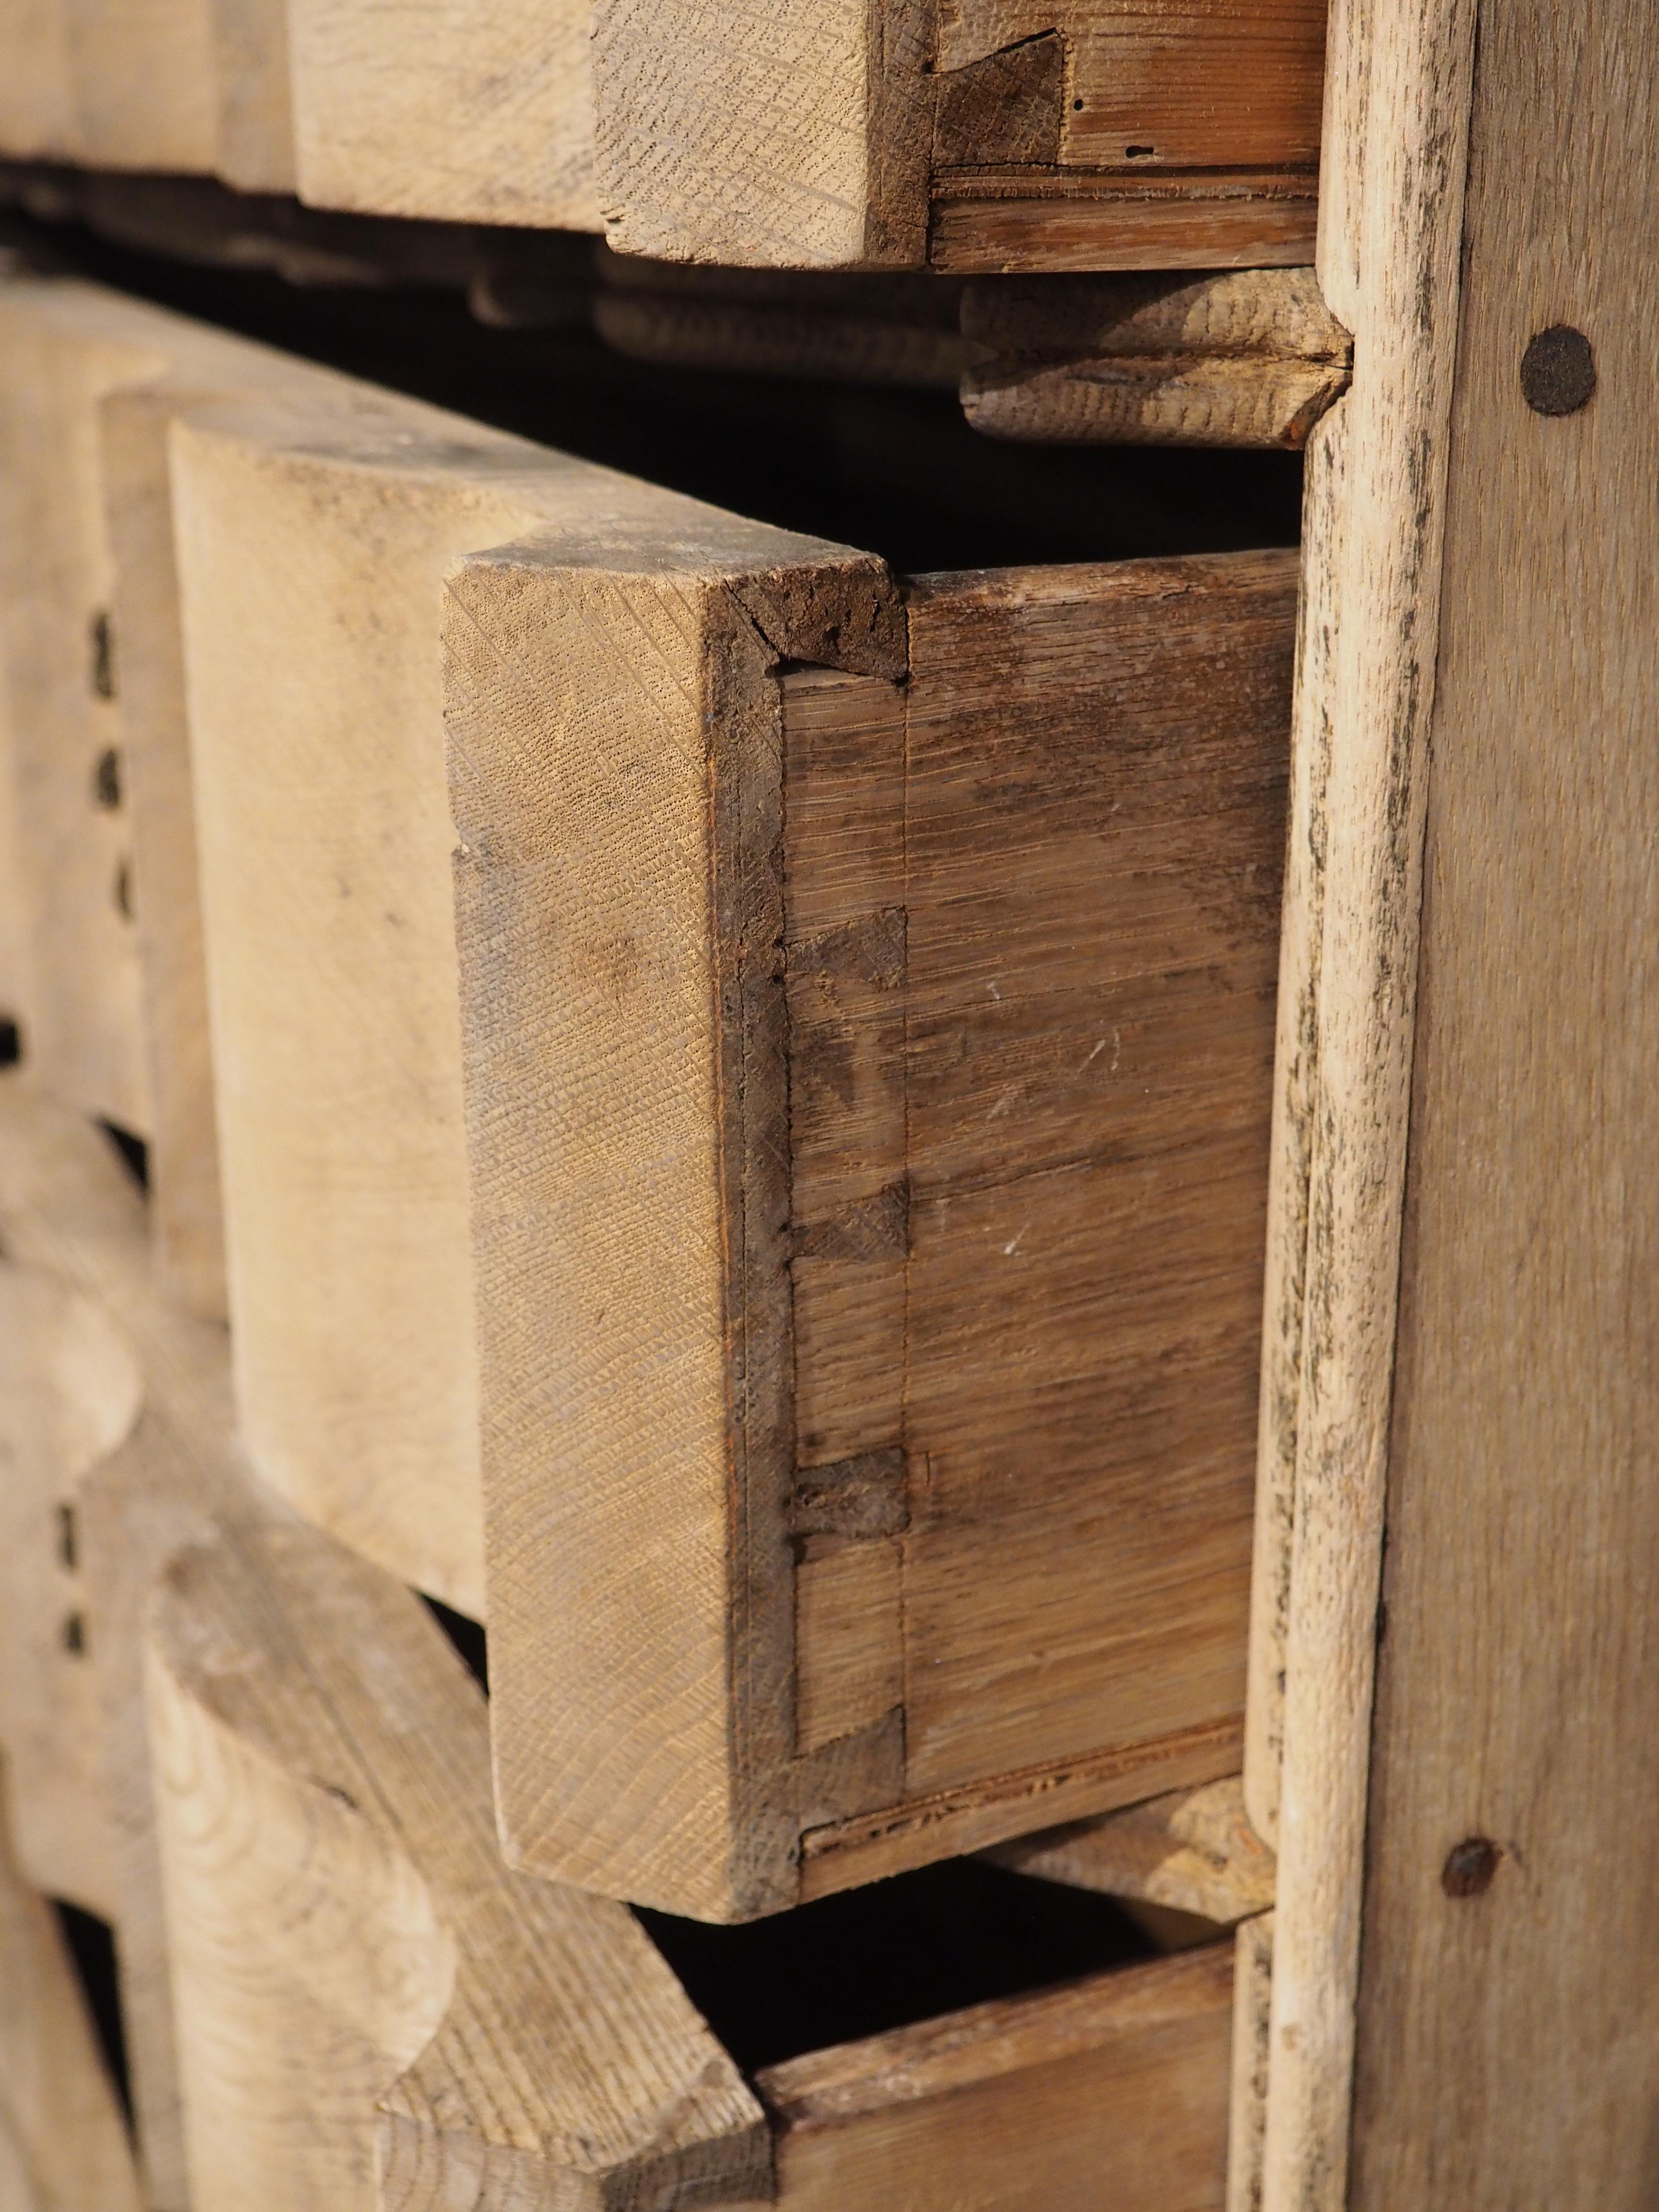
(988,222)
(63,2144)
(1028,912)
(1193,1850)
(1508,2037)
(1115,2084)
(311,546)
(422,2026)
(615,745)
(841,1855)
(807,138)
(1165,85)
(1247,2125)
(1347,1114)
(456,113)
(62,347)
(1250,358)
(72,1394)
(1087,1015)
(797,135)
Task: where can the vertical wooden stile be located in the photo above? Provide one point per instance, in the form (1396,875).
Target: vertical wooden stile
(1509,2023)
(1396,118)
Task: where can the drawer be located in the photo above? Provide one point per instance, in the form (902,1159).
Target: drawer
(963,134)
(356,2002)
(968,135)
(853,1268)
(868,1078)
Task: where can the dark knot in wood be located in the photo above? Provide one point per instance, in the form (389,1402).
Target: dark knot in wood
(1470,1867)
(1558,371)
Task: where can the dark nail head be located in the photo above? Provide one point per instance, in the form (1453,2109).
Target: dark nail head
(1558,371)
(1470,1867)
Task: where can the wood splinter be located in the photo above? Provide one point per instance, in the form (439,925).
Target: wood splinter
(1242,357)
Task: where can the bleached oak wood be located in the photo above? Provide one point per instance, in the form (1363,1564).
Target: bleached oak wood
(167,47)
(37,116)
(1509,2035)
(999,990)
(105,962)
(1247,2123)
(313,547)
(1397,123)
(1109,2089)
(311,555)
(70,1394)
(1193,1850)
(254,109)
(62,346)
(463,114)
(72,1226)
(1250,358)
(63,2144)
(421,2023)
(811,137)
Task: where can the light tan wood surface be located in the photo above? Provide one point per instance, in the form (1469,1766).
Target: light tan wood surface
(1193,1850)
(808,138)
(1509,2034)
(62,346)
(105,963)
(370,2010)
(463,113)
(1247,2121)
(1112,2089)
(167,47)
(1250,358)
(254,148)
(64,2144)
(1000,988)
(37,116)
(1396,122)
(70,1394)
(311,554)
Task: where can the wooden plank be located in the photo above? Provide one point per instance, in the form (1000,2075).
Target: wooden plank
(1508,2028)
(63,2144)
(104,967)
(254,137)
(1247,2123)
(38,118)
(988,222)
(69,1394)
(167,47)
(63,346)
(1399,105)
(334,1895)
(997,1096)
(893,329)
(1112,2088)
(1253,358)
(1085,1055)
(310,555)
(1192,1851)
(1169,85)
(799,138)
(465,114)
